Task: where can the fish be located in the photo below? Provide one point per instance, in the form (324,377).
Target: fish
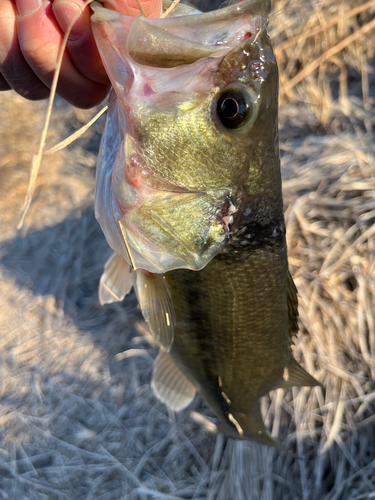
(189,197)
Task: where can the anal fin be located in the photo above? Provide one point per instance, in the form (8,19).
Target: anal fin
(116,280)
(170,385)
(295,375)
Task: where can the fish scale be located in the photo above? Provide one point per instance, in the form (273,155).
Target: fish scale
(160,131)
(241,341)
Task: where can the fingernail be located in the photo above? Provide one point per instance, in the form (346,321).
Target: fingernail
(65,13)
(27,7)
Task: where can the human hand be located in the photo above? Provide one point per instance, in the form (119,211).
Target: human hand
(31,33)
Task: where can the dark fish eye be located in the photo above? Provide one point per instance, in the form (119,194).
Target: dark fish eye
(232,109)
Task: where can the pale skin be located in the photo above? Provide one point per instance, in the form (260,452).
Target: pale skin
(31,32)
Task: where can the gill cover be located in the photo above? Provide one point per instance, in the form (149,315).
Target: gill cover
(163,66)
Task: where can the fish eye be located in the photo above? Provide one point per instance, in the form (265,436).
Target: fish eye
(232,109)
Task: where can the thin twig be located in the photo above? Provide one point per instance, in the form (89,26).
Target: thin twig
(140,6)
(170,8)
(122,228)
(63,144)
(37,159)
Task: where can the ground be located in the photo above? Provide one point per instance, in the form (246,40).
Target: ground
(78,419)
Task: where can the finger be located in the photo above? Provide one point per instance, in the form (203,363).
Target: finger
(14,70)
(152,8)
(40,39)
(4,84)
(81,46)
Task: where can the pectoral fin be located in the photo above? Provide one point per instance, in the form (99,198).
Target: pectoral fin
(156,305)
(116,280)
(295,375)
(170,385)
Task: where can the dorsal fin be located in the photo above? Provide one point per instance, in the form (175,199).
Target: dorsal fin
(116,280)
(170,385)
(292,305)
(156,305)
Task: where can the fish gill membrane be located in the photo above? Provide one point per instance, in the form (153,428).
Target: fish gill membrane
(189,197)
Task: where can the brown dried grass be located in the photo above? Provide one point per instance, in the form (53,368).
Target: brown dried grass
(77,417)
(318,43)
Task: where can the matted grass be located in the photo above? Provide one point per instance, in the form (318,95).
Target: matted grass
(78,419)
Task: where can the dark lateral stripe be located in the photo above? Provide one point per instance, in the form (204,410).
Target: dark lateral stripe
(252,234)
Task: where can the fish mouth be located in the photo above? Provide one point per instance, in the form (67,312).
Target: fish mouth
(178,40)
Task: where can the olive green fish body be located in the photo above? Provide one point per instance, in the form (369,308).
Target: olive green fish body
(189,196)
(233,332)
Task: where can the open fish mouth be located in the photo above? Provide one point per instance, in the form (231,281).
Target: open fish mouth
(165,214)
(180,39)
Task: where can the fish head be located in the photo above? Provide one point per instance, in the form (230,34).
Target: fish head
(191,132)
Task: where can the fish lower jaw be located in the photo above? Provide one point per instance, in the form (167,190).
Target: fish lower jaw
(161,231)
(137,245)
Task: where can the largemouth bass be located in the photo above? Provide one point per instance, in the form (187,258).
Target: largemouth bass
(189,197)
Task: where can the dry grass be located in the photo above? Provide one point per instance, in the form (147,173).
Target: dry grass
(78,419)
(321,46)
